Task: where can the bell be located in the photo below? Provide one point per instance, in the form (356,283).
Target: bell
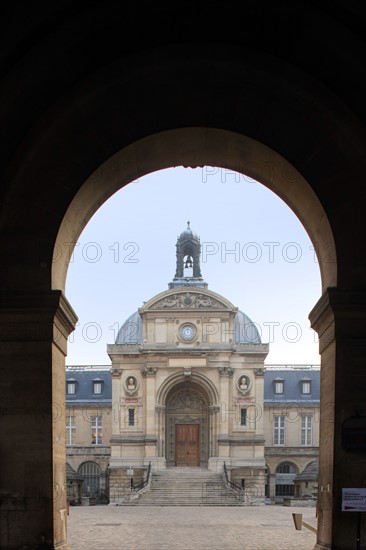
(189,262)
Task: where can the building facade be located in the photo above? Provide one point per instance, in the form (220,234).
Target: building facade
(187,379)
(290,425)
(187,387)
(291,429)
(88,428)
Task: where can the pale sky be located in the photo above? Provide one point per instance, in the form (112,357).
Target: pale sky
(255,253)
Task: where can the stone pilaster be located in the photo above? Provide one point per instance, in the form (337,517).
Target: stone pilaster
(149,372)
(116,403)
(340,320)
(33,332)
(226,373)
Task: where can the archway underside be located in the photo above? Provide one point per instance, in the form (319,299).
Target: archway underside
(197,147)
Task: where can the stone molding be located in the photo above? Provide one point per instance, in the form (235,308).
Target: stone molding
(36,317)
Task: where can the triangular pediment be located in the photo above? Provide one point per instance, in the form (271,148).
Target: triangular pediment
(187,299)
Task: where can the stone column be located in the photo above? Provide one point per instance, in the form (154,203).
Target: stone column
(272,486)
(33,329)
(340,320)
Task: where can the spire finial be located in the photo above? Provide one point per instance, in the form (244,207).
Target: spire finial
(188,225)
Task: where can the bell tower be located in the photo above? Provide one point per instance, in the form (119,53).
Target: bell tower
(188,250)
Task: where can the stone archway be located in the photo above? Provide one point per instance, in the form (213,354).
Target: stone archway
(73,110)
(187,426)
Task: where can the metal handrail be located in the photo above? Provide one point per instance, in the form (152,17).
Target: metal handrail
(232,485)
(144,483)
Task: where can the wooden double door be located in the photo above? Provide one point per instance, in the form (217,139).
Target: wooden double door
(187,445)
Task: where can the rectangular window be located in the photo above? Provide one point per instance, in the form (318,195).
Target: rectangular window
(278,387)
(70,430)
(131,417)
(306,430)
(96,430)
(243,417)
(97,387)
(279,430)
(306,387)
(71,388)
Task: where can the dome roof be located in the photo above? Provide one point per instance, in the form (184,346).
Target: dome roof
(188,233)
(246,331)
(131,330)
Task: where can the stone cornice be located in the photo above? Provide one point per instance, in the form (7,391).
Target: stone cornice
(245,440)
(133,439)
(292,451)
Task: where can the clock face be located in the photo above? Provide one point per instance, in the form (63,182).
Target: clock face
(187,332)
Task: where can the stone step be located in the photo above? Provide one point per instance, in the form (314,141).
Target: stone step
(186,487)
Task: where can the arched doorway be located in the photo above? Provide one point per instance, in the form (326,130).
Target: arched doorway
(285,475)
(91,474)
(187,426)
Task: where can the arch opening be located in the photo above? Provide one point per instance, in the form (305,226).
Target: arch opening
(187,429)
(318,228)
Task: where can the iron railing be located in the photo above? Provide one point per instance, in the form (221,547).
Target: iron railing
(144,483)
(238,490)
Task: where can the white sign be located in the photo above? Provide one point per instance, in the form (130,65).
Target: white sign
(354,500)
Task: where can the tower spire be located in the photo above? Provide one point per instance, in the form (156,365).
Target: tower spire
(188,251)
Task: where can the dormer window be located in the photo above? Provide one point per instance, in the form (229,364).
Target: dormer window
(279,387)
(97,387)
(71,387)
(306,387)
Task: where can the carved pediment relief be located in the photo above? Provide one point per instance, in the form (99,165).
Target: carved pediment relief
(188,300)
(187,400)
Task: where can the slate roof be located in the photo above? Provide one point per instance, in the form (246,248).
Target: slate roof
(292,378)
(310,472)
(84,378)
(72,475)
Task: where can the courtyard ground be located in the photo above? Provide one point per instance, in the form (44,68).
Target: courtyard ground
(188,528)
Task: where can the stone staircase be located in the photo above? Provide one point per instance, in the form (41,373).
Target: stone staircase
(186,487)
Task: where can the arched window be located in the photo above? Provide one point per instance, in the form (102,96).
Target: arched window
(286,468)
(285,474)
(91,484)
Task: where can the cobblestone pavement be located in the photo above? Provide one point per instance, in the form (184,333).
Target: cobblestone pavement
(188,528)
